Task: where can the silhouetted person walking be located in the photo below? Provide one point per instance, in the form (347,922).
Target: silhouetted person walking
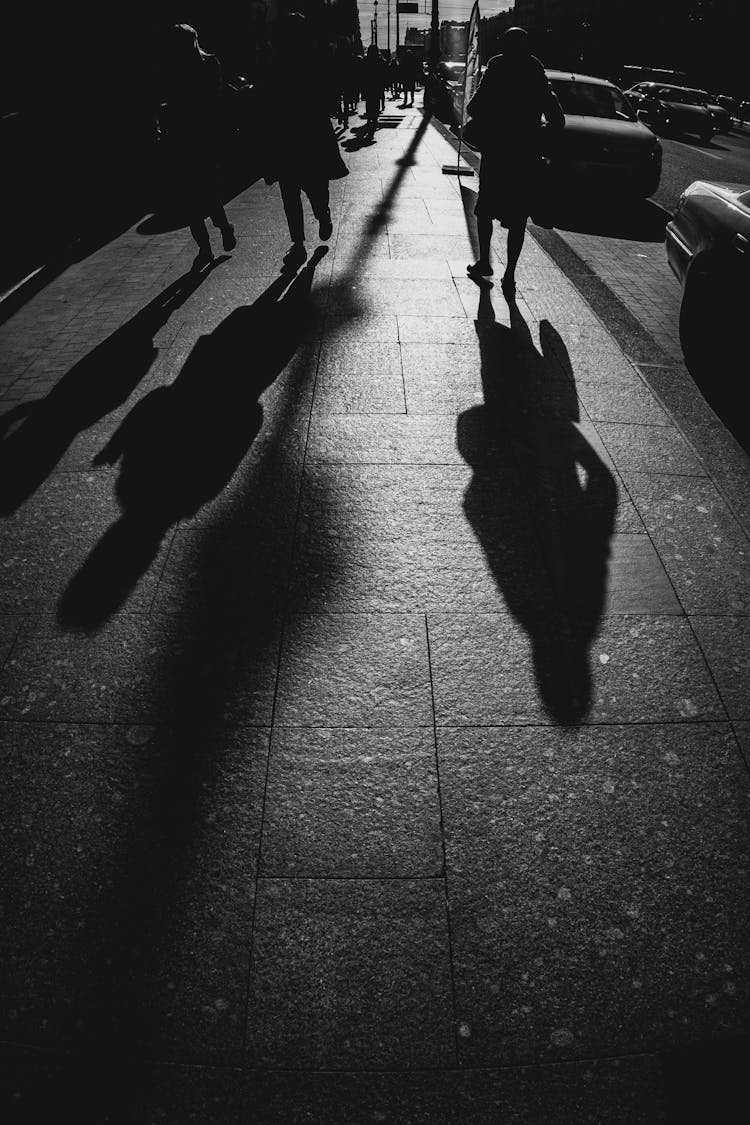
(345,79)
(307,158)
(374,78)
(190,129)
(508,108)
(408,71)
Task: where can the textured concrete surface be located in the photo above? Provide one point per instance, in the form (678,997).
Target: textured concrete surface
(374,667)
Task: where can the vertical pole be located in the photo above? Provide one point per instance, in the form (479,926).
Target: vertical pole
(396,26)
(434,36)
(389,27)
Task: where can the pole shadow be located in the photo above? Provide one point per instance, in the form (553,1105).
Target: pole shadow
(36,434)
(181,444)
(541,502)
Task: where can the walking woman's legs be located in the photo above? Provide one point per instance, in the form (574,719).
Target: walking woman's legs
(482,267)
(516,234)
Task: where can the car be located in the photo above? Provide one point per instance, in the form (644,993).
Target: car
(673,109)
(722,117)
(708,250)
(731,105)
(603,145)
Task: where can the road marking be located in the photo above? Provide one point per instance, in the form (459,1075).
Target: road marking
(694,148)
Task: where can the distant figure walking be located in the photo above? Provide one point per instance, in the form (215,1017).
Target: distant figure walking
(408,70)
(508,108)
(307,157)
(374,78)
(344,79)
(189,124)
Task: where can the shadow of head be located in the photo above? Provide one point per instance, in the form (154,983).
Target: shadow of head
(182,443)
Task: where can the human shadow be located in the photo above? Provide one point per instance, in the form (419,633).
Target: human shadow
(36,434)
(541,502)
(181,444)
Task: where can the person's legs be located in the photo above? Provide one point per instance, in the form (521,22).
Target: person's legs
(221,222)
(292,200)
(319,197)
(516,235)
(482,267)
(205,254)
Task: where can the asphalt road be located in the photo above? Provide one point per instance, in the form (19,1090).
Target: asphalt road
(726,158)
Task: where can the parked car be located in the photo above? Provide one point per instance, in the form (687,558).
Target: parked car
(731,105)
(603,145)
(673,109)
(722,117)
(708,249)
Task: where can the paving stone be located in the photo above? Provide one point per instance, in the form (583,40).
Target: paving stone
(43,1086)
(359,326)
(71,531)
(614,401)
(207,669)
(580,867)
(357,670)
(129,860)
(352,803)
(10,625)
(647,449)
(405,268)
(426,440)
(725,642)
(350,973)
(240,570)
(489,670)
(703,548)
(441,378)
(626,1091)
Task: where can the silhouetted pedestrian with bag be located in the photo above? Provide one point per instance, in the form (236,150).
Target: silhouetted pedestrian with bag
(300,144)
(191,130)
(507,111)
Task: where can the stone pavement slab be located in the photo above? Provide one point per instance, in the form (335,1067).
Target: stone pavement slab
(372,683)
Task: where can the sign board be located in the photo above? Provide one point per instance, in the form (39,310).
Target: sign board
(407,6)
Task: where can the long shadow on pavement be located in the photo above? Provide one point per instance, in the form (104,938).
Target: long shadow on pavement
(541,502)
(36,434)
(181,444)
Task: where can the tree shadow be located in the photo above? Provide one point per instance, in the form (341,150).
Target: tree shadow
(36,434)
(181,444)
(541,502)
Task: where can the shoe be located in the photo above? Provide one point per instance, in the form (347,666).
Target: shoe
(326,229)
(203,258)
(479,270)
(295,255)
(228,238)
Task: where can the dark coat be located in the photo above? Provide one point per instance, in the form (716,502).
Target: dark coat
(508,107)
(299,140)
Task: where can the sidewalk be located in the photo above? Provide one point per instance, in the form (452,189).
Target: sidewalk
(373,688)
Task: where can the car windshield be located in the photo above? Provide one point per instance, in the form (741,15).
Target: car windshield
(590,99)
(682,97)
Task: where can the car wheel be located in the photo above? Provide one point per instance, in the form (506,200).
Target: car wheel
(705,138)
